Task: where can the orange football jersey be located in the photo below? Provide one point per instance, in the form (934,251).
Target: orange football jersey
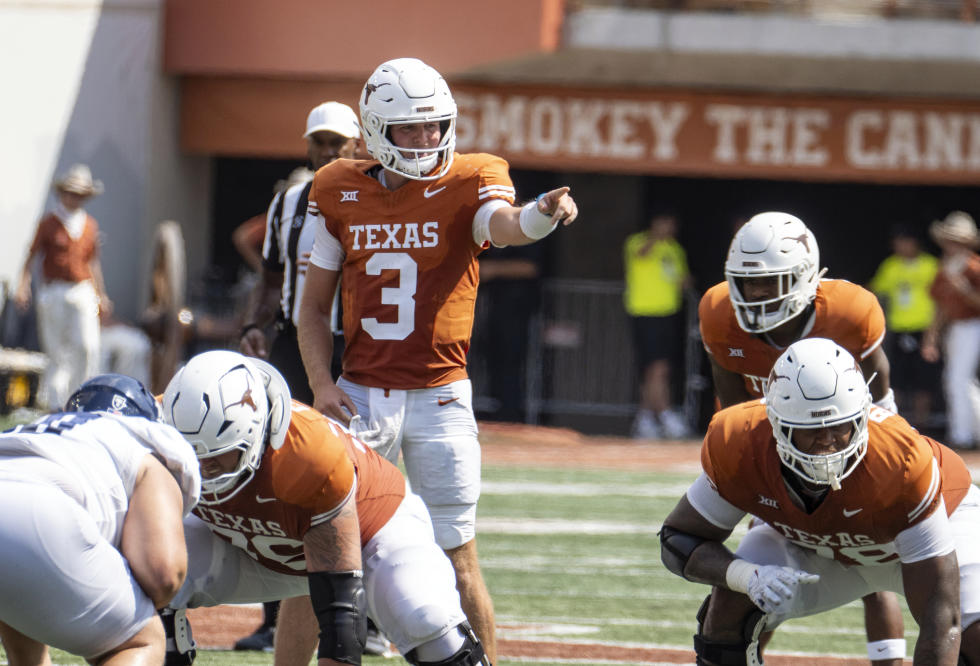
(410,274)
(847,313)
(891,489)
(301,484)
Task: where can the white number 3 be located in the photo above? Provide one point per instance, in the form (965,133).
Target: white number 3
(402,296)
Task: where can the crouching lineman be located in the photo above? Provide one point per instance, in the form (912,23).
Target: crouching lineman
(293,505)
(93,495)
(854,501)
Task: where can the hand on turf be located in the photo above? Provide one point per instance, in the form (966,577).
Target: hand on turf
(773,588)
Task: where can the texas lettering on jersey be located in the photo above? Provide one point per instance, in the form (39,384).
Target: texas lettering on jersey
(847,313)
(899,482)
(410,271)
(301,484)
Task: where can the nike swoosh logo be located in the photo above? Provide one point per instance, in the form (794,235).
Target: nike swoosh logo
(848,514)
(263,500)
(443,403)
(427,193)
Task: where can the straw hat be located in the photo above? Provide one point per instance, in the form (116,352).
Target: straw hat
(957,227)
(78,179)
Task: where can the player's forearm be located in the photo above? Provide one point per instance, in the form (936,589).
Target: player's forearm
(264,306)
(315,346)
(709,564)
(335,545)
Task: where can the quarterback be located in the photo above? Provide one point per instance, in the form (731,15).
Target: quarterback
(404,231)
(293,505)
(853,501)
(91,527)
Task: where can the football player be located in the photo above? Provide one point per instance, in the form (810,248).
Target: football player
(773,296)
(294,507)
(331,132)
(404,231)
(852,501)
(91,527)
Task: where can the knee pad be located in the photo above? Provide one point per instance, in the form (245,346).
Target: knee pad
(470,654)
(745,653)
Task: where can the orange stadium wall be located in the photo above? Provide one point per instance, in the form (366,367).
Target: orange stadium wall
(306,38)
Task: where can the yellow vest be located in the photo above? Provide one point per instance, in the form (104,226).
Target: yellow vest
(904,286)
(653,281)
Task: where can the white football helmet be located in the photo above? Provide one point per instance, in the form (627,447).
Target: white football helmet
(223,401)
(772,245)
(815,383)
(404,91)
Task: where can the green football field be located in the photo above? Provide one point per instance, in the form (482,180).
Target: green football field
(571,558)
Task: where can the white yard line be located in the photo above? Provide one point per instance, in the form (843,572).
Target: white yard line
(583,489)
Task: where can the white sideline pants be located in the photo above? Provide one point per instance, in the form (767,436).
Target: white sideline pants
(961,362)
(68,327)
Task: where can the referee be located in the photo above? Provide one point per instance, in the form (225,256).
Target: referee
(331,132)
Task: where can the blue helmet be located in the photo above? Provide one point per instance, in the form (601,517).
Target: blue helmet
(118,394)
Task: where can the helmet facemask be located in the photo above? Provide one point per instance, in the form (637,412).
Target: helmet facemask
(780,247)
(401,92)
(220,404)
(816,384)
(823,469)
(764,315)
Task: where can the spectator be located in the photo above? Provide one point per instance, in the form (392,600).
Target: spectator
(72,291)
(331,132)
(902,283)
(317,513)
(91,527)
(405,230)
(656,278)
(956,291)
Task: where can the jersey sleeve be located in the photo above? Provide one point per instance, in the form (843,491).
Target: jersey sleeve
(704,497)
(710,320)
(922,494)
(328,253)
(860,320)
(494,181)
(874,325)
(312,469)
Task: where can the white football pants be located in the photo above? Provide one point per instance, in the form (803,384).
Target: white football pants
(408,581)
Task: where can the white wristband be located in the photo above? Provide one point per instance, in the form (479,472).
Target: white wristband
(738,575)
(535,224)
(890,648)
(887,401)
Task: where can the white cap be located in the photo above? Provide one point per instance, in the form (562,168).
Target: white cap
(333,117)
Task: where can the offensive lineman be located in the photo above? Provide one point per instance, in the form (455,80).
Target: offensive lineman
(293,505)
(93,494)
(405,230)
(853,499)
(773,296)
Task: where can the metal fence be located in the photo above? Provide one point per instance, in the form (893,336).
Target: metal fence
(580,356)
